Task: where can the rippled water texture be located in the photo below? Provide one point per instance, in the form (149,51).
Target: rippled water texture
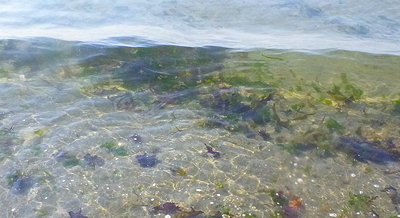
(113,131)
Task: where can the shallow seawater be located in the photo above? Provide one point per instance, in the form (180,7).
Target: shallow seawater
(121,131)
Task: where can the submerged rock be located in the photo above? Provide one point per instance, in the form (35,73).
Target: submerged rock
(167,208)
(22,185)
(136,138)
(170,208)
(93,160)
(77,214)
(364,150)
(393,194)
(66,159)
(147,160)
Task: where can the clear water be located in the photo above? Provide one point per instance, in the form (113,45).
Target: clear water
(278,24)
(109,107)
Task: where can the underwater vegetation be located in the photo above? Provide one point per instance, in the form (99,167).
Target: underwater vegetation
(7,140)
(359,204)
(313,117)
(396,107)
(114,149)
(343,93)
(289,205)
(68,160)
(212,153)
(178,171)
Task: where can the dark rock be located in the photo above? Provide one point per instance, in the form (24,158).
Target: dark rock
(167,208)
(22,185)
(250,135)
(93,160)
(393,194)
(136,138)
(264,135)
(147,161)
(77,214)
(364,150)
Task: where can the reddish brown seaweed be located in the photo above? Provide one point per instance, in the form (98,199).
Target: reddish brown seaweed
(213,153)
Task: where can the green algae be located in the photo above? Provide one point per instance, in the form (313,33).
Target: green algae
(39,132)
(114,149)
(334,125)
(219,185)
(396,106)
(70,161)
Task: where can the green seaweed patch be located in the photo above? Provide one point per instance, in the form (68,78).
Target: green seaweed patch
(346,91)
(353,92)
(89,71)
(272,58)
(41,212)
(39,132)
(249,215)
(278,198)
(3,73)
(276,214)
(307,170)
(334,126)
(396,108)
(316,88)
(360,202)
(219,185)
(292,148)
(181,172)
(298,107)
(45,177)
(223,210)
(70,161)
(114,149)
(325,101)
(11,178)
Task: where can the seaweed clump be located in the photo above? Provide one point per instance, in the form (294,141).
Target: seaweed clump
(289,205)
(359,204)
(114,149)
(212,153)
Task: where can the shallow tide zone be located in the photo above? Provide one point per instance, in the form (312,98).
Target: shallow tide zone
(169,131)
